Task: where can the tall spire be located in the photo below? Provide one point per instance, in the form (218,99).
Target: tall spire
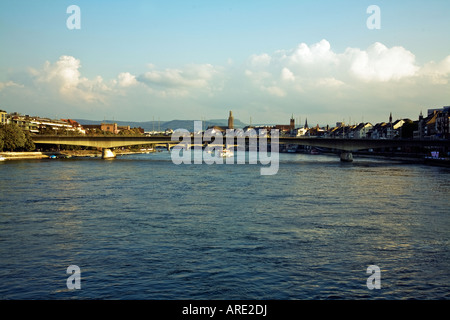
(230,121)
(306,123)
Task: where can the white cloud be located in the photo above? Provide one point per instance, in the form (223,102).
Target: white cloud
(8,84)
(262,60)
(65,77)
(126,79)
(287,75)
(309,63)
(318,53)
(180,81)
(379,63)
(286,71)
(437,73)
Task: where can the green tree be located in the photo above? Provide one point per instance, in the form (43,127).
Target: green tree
(29,144)
(13,137)
(1,138)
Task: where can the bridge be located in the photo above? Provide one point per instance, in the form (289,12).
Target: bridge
(346,146)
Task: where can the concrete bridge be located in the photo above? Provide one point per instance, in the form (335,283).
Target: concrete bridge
(348,145)
(106,143)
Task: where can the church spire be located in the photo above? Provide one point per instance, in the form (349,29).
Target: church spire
(230,121)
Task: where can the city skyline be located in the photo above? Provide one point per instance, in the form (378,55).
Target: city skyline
(265,60)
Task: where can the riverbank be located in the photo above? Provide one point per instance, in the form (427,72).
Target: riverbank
(23,155)
(444,162)
(411,158)
(62,154)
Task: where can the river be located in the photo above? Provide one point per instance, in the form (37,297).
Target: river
(141,227)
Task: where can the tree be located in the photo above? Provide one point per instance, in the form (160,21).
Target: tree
(1,138)
(29,144)
(13,138)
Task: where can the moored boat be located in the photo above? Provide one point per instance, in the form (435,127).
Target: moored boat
(225,153)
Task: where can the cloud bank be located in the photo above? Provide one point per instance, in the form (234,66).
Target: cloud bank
(306,79)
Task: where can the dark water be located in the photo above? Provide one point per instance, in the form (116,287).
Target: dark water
(141,227)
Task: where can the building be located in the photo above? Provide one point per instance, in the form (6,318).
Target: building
(3,117)
(92,127)
(442,123)
(435,125)
(300,132)
(109,127)
(37,124)
(394,128)
(316,131)
(378,131)
(339,131)
(361,130)
(284,128)
(75,126)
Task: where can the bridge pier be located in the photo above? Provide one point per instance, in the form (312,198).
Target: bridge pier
(108,154)
(346,156)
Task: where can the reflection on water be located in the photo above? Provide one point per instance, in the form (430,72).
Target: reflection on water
(141,227)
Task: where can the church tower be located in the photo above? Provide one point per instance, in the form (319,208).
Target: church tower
(292,123)
(230,121)
(390,135)
(421,127)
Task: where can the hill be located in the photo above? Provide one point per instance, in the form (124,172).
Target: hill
(163,125)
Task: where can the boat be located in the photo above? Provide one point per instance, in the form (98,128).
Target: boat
(292,149)
(314,151)
(226,153)
(209,150)
(2,158)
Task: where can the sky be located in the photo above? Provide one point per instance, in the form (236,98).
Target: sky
(265,60)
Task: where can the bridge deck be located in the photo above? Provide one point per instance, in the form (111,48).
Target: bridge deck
(332,143)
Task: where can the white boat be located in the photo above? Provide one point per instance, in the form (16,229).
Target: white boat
(2,158)
(225,153)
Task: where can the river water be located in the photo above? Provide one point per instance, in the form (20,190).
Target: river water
(141,227)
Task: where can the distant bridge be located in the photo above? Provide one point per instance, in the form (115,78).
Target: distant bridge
(362,144)
(345,145)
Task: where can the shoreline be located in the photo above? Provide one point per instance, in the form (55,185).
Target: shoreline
(37,155)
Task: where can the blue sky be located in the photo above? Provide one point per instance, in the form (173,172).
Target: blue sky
(138,60)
